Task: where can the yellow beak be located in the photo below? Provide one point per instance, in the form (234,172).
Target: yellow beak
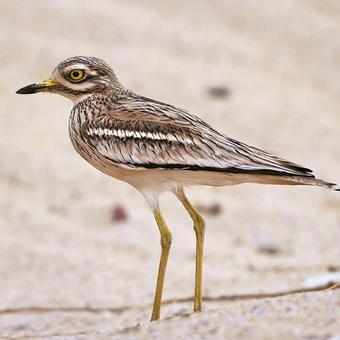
(44,86)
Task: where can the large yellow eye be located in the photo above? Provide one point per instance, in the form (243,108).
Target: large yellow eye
(76,75)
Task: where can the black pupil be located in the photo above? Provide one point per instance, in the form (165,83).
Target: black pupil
(76,74)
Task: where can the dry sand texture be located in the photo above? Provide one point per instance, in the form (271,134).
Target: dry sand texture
(68,271)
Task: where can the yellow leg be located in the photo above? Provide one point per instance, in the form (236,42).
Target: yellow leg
(199,227)
(165,243)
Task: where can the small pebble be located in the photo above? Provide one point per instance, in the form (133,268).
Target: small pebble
(219,91)
(212,209)
(333,269)
(268,250)
(119,213)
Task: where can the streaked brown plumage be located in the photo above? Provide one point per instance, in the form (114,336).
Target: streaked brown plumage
(156,147)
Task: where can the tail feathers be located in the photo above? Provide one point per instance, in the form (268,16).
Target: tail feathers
(327,185)
(314,181)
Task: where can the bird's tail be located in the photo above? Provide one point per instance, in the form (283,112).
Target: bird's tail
(324,184)
(301,180)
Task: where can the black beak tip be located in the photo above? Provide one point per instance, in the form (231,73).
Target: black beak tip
(29,89)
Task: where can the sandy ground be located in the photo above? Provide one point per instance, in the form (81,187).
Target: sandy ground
(69,271)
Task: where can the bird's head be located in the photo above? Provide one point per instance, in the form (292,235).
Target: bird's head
(78,78)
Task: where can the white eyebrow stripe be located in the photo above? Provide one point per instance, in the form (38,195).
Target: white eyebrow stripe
(123,134)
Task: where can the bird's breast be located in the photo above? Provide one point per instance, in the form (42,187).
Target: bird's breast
(88,150)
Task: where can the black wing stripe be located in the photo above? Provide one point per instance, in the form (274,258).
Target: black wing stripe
(233,170)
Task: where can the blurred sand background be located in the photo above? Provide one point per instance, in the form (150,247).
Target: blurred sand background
(68,270)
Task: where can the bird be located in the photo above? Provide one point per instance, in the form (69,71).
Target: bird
(157,147)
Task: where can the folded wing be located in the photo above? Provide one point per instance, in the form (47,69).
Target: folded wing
(151,134)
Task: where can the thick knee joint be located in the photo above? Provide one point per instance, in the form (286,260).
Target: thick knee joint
(166,240)
(199,226)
